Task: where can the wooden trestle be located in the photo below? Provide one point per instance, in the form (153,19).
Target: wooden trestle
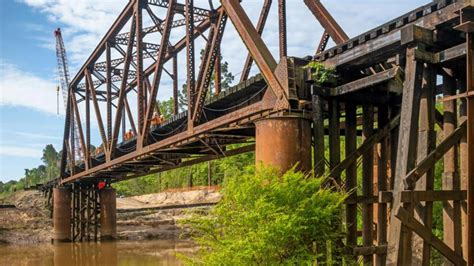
(399,133)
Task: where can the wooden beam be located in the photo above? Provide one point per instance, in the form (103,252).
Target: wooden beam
(382,184)
(399,241)
(426,143)
(407,220)
(366,82)
(368,181)
(430,195)
(451,180)
(429,161)
(334,137)
(367,144)
(318,134)
(351,173)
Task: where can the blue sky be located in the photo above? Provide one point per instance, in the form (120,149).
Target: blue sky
(28,119)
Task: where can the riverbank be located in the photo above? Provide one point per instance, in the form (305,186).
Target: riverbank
(145,217)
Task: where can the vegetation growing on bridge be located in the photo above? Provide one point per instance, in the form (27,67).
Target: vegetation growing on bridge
(267,219)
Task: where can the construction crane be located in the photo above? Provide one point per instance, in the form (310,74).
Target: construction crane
(63,73)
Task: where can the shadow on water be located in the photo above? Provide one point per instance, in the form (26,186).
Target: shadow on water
(158,252)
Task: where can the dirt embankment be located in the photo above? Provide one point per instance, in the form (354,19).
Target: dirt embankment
(29,222)
(152,216)
(156,216)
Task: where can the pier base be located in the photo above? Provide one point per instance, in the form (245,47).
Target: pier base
(283,142)
(61,215)
(108,214)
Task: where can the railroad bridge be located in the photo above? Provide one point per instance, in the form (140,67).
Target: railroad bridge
(403,103)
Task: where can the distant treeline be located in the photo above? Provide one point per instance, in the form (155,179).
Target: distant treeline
(41,174)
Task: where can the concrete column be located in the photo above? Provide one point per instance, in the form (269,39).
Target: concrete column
(61,214)
(108,214)
(284,141)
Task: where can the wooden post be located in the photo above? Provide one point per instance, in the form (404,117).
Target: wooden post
(463,164)
(426,143)
(451,181)
(368,182)
(382,182)
(351,174)
(399,241)
(318,133)
(470,147)
(334,136)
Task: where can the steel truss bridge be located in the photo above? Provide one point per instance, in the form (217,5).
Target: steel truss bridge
(403,101)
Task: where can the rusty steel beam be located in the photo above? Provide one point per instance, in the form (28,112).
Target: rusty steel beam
(245,114)
(96,108)
(260,26)
(181,8)
(256,46)
(157,75)
(282,27)
(207,67)
(327,21)
(218,73)
(139,66)
(190,77)
(113,31)
(323,42)
(122,93)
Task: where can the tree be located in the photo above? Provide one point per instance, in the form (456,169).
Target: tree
(50,159)
(166,107)
(226,80)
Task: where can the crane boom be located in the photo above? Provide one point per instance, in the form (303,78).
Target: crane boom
(63,73)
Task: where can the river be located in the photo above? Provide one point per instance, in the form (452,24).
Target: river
(153,252)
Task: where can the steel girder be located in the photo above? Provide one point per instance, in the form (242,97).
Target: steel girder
(125,63)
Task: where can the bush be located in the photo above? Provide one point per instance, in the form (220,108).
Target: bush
(267,219)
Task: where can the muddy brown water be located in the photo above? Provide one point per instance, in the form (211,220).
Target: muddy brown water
(154,252)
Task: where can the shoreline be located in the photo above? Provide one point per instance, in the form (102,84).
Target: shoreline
(146,217)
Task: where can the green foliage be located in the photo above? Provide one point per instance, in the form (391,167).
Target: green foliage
(320,73)
(166,107)
(195,175)
(226,81)
(40,174)
(51,160)
(267,219)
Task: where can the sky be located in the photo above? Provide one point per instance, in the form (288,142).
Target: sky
(28,77)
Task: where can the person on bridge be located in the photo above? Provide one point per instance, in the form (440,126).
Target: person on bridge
(129,135)
(157,119)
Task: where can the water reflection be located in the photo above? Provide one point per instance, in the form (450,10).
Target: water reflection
(157,252)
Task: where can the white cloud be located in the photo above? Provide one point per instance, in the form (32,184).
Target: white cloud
(20,152)
(36,136)
(21,88)
(84,23)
